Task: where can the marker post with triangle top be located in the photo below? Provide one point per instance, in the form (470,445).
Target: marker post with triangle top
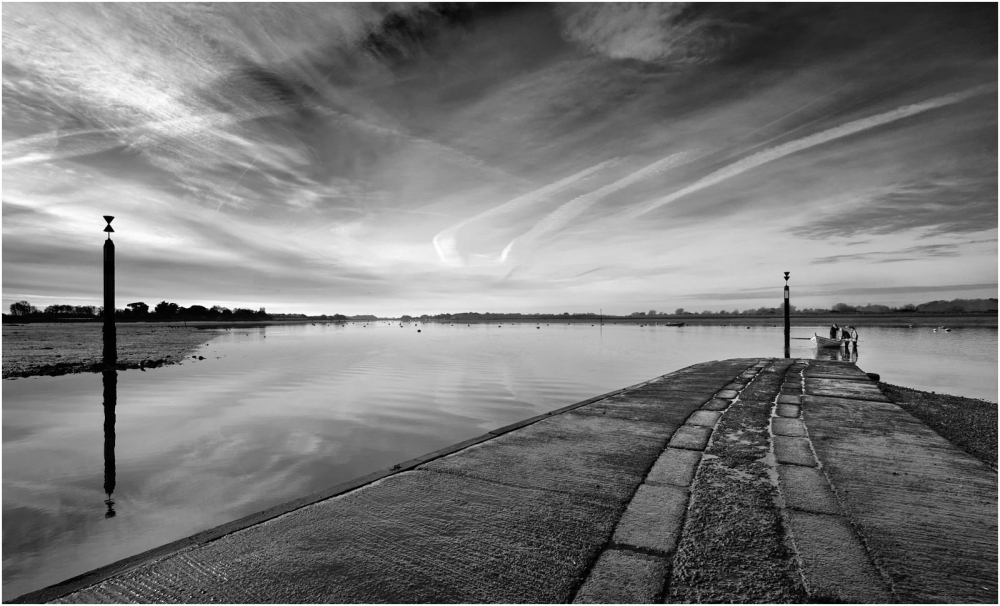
(110,334)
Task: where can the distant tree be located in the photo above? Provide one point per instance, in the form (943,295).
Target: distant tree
(165,309)
(138,308)
(59,309)
(84,310)
(197,311)
(842,308)
(651,312)
(22,308)
(405,318)
(679,311)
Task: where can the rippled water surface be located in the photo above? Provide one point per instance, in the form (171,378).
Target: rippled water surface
(277,413)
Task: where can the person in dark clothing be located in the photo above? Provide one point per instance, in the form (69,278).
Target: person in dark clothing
(853,335)
(833,331)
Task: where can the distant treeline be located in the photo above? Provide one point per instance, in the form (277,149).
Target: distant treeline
(937,307)
(138,311)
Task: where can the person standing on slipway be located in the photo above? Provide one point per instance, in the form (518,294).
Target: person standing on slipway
(853,335)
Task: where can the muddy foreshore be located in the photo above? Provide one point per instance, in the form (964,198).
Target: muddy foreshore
(57,349)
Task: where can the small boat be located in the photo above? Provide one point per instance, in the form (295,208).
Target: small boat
(672,324)
(825,343)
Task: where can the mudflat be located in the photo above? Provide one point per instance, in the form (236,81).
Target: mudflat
(65,348)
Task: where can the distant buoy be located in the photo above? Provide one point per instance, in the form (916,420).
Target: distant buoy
(418,330)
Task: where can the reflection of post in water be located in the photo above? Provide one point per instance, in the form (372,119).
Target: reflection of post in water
(110,401)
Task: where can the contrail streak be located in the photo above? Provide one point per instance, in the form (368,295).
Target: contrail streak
(223,201)
(563,215)
(445,244)
(798,145)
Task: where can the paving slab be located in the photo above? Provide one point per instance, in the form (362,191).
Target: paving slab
(415,537)
(675,466)
(793,451)
(788,427)
(691,437)
(727,394)
(788,411)
(927,511)
(624,577)
(704,418)
(789,399)
(575,453)
(716,405)
(734,386)
(653,518)
(806,489)
(834,564)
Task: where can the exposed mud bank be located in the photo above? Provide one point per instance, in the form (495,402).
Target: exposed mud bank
(58,349)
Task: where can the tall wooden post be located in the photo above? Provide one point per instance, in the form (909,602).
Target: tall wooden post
(110,335)
(788,325)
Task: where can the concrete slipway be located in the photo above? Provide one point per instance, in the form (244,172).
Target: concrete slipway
(738,480)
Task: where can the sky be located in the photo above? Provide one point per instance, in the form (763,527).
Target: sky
(539,158)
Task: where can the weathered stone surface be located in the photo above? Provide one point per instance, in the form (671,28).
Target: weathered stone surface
(793,451)
(806,489)
(789,399)
(834,564)
(734,386)
(624,577)
(727,394)
(860,390)
(788,411)
(575,453)
(733,545)
(642,405)
(419,536)
(675,466)
(788,427)
(717,405)
(704,418)
(926,510)
(653,518)
(691,437)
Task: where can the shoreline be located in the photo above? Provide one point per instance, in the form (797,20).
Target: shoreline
(50,350)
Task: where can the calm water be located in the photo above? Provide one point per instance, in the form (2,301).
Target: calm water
(277,413)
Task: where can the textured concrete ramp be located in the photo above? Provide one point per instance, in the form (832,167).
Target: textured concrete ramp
(926,510)
(415,537)
(520,516)
(574,453)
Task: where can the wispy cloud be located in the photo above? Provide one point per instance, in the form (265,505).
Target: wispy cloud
(647,31)
(962,203)
(780,151)
(907,254)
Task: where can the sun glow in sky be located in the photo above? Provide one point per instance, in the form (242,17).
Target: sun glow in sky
(391,159)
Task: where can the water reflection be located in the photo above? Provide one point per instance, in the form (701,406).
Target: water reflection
(110,401)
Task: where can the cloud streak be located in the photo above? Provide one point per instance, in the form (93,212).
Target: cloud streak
(741,166)
(445,242)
